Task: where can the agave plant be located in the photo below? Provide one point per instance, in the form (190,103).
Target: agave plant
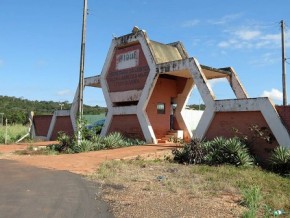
(214,150)
(227,151)
(280,160)
(191,153)
(84,146)
(113,140)
(236,153)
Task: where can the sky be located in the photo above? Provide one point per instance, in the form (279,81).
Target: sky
(40,42)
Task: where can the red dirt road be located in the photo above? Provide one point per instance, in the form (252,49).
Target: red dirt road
(82,163)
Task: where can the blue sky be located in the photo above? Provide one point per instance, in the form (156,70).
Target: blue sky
(40,42)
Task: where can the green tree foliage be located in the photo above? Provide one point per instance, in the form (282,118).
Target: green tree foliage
(16,110)
(196,106)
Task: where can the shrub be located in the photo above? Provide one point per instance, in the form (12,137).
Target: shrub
(228,151)
(215,152)
(191,153)
(280,160)
(66,143)
(84,146)
(113,140)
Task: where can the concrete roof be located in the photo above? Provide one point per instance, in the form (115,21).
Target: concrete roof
(215,73)
(163,53)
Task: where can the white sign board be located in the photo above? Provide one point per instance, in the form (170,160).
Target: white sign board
(127,60)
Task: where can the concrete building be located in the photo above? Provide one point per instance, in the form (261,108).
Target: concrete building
(147,85)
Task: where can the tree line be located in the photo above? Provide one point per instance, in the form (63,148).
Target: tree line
(16,110)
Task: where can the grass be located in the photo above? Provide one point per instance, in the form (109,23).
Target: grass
(14,132)
(36,150)
(90,119)
(250,189)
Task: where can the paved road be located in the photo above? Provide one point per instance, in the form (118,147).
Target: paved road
(29,192)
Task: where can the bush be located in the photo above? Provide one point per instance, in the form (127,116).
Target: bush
(84,146)
(228,151)
(68,144)
(280,160)
(191,153)
(215,152)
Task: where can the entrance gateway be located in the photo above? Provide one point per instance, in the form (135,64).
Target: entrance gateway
(143,80)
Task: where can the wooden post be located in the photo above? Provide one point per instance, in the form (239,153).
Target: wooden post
(6,122)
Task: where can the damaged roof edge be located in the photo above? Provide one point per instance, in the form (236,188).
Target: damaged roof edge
(225,70)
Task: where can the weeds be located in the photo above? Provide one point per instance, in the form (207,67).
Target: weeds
(260,192)
(251,199)
(14,132)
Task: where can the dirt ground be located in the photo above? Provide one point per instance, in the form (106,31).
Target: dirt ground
(82,163)
(139,198)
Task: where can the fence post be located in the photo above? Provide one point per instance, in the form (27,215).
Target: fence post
(5,131)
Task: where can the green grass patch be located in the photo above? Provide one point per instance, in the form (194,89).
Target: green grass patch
(90,119)
(14,132)
(36,150)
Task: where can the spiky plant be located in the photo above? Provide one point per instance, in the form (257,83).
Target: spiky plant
(280,160)
(214,151)
(227,151)
(113,140)
(84,146)
(236,153)
(191,153)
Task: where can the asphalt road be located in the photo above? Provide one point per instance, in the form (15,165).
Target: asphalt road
(29,192)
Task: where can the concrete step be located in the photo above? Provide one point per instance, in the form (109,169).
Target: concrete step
(161,141)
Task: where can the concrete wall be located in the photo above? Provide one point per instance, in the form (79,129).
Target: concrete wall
(162,93)
(47,127)
(132,77)
(128,125)
(224,122)
(62,124)
(192,117)
(284,113)
(41,124)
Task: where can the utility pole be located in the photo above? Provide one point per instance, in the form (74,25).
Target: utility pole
(283,65)
(82,66)
(61,105)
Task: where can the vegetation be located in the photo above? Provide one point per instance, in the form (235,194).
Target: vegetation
(222,191)
(69,145)
(218,151)
(14,132)
(196,106)
(280,161)
(251,199)
(16,110)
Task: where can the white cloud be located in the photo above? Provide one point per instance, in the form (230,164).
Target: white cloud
(224,44)
(191,23)
(274,94)
(250,37)
(65,92)
(247,34)
(266,59)
(225,19)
